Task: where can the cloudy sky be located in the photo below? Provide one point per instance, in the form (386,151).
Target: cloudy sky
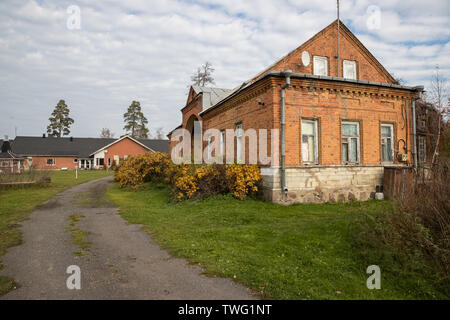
(147,50)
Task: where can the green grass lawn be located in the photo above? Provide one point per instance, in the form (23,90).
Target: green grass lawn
(17,203)
(303,251)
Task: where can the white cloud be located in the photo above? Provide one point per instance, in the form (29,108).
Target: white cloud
(146,51)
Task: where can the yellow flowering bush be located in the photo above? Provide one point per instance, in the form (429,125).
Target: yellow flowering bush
(196,180)
(136,170)
(189,181)
(243,179)
(239,179)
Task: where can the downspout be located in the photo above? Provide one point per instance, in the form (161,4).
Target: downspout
(287,74)
(419,89)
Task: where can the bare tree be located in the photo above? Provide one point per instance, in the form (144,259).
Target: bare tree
(438,96)
(160,133)
(106,133)
(203,76)
(399,79)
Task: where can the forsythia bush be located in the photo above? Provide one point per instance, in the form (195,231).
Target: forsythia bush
(190,180)
(196,180)
(143,168)
(243,179)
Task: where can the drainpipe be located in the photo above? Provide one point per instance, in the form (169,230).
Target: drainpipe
(419,89)
(287,74)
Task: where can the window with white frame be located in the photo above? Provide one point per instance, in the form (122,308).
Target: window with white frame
(387,145)
(309,141)
(222,143)
(109,162)
(320,66)
(75,160)
(209,147)
(239,144)
(50,162)
(349,69)
(422,149)
(350,142)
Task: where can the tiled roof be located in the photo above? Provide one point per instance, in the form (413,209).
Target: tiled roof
(79,147)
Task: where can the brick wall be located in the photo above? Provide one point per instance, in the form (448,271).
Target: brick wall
(331,103)
(193,108)
(40,162)
(125,147)
(325,44)
(328,102)
(253,109)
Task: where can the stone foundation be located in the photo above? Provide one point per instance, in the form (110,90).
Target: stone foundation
(322,183)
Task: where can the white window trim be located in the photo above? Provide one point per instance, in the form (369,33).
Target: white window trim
(320,58)
(222,142)
(392,142)
(358,142)
(343,69)
(209,148)
(316,142)
(239,144)
(5,163)
(52,164)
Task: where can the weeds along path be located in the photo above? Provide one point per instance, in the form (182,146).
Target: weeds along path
(79,227)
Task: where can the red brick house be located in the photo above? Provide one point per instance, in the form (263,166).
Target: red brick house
(83,153)
(124,147)
(340,115)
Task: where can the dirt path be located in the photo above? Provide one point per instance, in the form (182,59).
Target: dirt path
(117,260)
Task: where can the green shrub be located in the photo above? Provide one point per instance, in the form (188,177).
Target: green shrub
(415,230)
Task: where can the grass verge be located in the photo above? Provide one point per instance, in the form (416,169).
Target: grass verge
(78,235)
(17,203)
(303,251)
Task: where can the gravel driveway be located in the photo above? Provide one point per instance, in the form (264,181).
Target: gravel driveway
(117,260)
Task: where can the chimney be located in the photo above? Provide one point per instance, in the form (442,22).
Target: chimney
(71,139)
(43,135)
(6,146)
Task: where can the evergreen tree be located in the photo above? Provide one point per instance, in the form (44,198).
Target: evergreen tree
(135,121)
(60,121)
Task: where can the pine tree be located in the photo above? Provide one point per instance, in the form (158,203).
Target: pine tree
(135,121)
(60,121)
(142,130)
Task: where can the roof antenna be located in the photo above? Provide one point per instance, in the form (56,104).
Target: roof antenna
(338,28)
